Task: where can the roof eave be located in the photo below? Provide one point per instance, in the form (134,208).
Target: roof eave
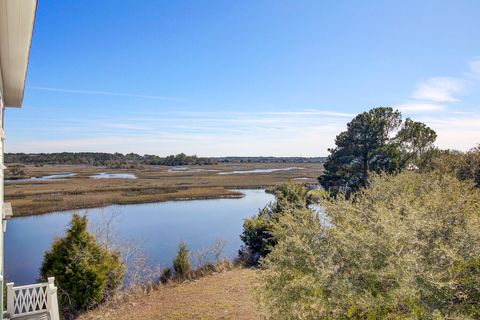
(16,27)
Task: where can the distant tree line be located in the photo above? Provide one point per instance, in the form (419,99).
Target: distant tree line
(271,159)
(131,160)
(105,159)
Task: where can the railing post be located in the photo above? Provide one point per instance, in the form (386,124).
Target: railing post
(52,302)
(10,299)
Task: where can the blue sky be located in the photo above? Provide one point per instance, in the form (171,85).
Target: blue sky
(257,77)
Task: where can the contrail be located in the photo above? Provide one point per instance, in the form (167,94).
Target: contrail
(107,93)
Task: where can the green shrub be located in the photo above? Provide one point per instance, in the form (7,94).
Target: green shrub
(257,230)
(166,275)
(257,238)
(408,247)
(464,165)
(85,272)
(470,166)
(181,263)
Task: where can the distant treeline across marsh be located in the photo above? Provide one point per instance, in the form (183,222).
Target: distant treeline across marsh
(120,159)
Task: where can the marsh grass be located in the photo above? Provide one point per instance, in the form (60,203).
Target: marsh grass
(154,184)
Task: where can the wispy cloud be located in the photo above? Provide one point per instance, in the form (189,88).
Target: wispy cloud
(440,89)
(311,112)
(415,107)
(474,71)
(127,126)
(309,132)
(107,93)
(436,94)
(231,131)
(437,101)
(229,114)
(301,135)
(459,131)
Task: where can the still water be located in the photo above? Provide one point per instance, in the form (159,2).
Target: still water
(157,226)
(56,176)
(260,170)
(105,175)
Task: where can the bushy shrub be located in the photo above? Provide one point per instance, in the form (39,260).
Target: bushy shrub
(166,275)
(257,234)
(85,272)
(464,165)
(181,263)
(470,166)
(408,247)
(15,171)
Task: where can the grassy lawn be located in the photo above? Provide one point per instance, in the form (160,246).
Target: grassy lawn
(227,295)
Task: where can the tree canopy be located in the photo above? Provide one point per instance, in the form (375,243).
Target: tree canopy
(375,141)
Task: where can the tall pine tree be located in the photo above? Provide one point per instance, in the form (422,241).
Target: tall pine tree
(369,145)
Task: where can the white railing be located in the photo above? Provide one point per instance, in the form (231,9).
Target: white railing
(33,299)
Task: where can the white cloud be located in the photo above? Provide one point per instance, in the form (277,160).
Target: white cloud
(127,126)
(474,65)
(313,112)
(105,93)
(217,134)
(461,132)
(308,133)
(414,107)
(440,89)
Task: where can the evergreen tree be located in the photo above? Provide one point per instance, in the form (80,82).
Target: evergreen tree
(368,146)
(86,273)
(181,263)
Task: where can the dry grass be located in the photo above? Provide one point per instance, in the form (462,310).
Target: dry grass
(226,295)
(154,183)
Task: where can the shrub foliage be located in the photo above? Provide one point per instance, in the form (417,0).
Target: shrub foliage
(257,230)
(464,165)
(408,247)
